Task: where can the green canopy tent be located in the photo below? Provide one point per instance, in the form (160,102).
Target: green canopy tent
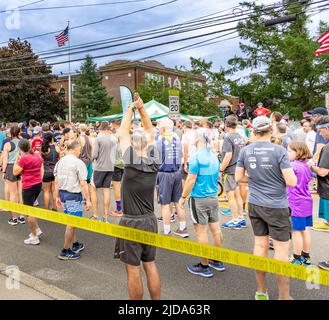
(154,109)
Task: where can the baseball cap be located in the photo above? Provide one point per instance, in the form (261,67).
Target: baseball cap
(260,104)
(37,130)
(261,123)
(320,110)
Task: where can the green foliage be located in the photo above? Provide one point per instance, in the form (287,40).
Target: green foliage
(26,93)
(153,89)
(90,97)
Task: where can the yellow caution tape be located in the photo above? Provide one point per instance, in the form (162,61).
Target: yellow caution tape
(313,276)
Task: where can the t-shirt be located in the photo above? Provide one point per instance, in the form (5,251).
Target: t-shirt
(299,197)
(24,135)
(233,142)
(170,152)
(285,141)
(57,137)
(323,182)
(263,162)
(189,138)
(104,152)
(31,174)
(138,182)
(310,140)
(37,144)
(2,138)
(319,139)
(4,142)
(205,165)
(69,172)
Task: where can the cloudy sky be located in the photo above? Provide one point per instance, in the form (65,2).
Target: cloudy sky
(27,23)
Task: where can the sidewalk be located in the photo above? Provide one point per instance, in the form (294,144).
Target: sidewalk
(23,293)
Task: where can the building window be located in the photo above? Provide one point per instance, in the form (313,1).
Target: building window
(61,91)
(153,76)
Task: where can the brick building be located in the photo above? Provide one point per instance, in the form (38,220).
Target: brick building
(131,74)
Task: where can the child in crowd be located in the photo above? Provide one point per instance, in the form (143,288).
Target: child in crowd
(300,203)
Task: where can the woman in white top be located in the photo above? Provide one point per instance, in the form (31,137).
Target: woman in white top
(310,135)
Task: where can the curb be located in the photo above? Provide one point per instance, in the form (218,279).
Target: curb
(40,286)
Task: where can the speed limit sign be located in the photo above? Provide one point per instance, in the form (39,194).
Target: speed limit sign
(173,103)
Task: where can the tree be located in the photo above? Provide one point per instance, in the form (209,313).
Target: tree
(90,97)
(25,86)
(289,78)
(153,89)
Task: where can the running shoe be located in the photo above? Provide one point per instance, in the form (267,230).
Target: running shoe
(261,296)
(200,271)
(244,212)
(13,222)
(217,265)
(306,261)
(78,247)
(21,220)
(181,233)
(68,255)
(93,218)
(271,245)
(116,213)
(233,225)
(172,219)
(324,265)
(105,219)
(297,261)
(32,240)
(39,233)
(243,223)
(225,212)
(36,203)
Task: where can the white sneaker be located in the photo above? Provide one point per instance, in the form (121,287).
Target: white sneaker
(39,233)
(32,240)
(36,203)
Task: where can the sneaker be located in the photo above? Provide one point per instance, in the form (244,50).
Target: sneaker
(78,247)
(225,212)
(324,265)
(116,213)
(13,222)
(68,255)
(32,240)
(297,261)
(105,219)
(200,271)
(243,223)
(271,245)
(36,203)
(244,212)
(21,220)
(306,261)
(217,265)
(181,233)
(168,234)
(93,218)
(261,296)
(172,218)
(233,225)
(39,233)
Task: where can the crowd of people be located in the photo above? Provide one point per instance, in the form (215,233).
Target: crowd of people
(267,168)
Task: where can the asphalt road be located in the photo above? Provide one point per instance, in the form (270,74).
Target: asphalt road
(98,276)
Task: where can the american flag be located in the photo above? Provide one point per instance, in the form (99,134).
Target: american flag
(63,37)
(324,41)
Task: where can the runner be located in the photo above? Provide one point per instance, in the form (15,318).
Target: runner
(37,139)
(12,181)
(50,152)
(28,164)
(310,135)
(169,181)
(275,118)
(71,191)
(301,203)
(138,182)
(86,151)
(233,143)
(189,149)
(202,186)
(261,110)
(242,112)
(104,154)
(269,171)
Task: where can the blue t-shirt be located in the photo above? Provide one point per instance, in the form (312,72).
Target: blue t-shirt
(2,138)
(206,166)
(319,139)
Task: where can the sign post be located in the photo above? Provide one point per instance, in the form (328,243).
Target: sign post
(174,109)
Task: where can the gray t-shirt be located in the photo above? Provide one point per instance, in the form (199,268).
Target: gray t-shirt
(233,142)
(263,162)
(69,172)
(104,152)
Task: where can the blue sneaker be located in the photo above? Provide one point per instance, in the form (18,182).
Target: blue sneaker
(324,265)
(243,223)
(68,255)
(225,212)
(233,225)
(297,261)
(78,247)
(306,261)
(217,265)
(200,271)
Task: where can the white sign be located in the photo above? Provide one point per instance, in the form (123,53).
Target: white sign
(327,101)
(173,103)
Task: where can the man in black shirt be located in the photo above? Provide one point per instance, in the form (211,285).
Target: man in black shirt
(138,184)
(322,171)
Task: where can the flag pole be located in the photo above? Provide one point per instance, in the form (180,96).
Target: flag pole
(70,80)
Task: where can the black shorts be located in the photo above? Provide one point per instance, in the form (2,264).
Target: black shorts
(102,179)
(48,177)
(9,175)
(133,253)
(270,221)
(117,175)
(31,194)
